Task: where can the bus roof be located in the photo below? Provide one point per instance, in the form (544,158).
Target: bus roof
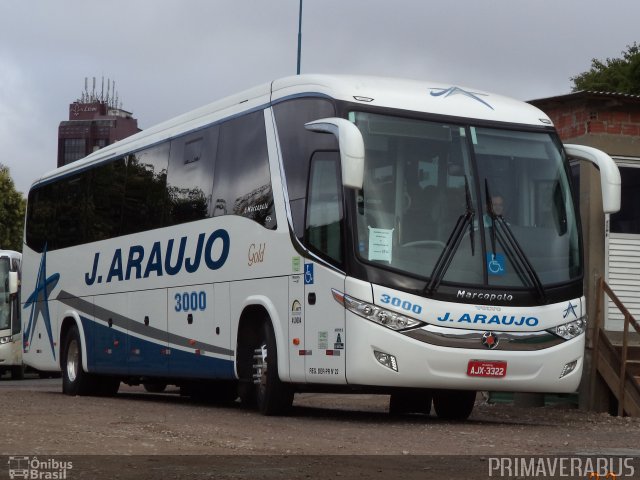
(415,95)
(411,95)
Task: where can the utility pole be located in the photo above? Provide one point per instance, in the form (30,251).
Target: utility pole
(299,36)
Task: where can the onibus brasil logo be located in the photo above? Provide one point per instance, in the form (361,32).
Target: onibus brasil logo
(36,469)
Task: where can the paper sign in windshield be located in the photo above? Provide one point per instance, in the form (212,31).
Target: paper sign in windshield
(380,244)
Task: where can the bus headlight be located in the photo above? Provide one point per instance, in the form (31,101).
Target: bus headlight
(4,340)
(570,330)
(381,316)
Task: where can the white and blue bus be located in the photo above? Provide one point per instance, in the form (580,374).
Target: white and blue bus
(10,324)
(318,233)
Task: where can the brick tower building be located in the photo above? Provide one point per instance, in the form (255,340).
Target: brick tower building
(96,120)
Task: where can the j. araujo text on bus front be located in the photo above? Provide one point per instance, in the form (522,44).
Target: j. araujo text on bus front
(490,319)
(170,258)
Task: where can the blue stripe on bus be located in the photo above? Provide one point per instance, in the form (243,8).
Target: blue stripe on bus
(116,353)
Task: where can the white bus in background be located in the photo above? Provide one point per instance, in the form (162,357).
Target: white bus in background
(10,325)
(318,233)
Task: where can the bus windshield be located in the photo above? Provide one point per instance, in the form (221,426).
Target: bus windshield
(465,204)
(5,299)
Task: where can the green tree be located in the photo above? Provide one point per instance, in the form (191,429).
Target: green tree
(12,208)
(621,75)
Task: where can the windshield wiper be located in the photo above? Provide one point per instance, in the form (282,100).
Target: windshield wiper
(512,247)
(451,247)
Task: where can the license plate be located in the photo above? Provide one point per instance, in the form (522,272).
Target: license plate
(485,368)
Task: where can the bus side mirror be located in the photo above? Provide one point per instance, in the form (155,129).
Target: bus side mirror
(13,283)
(351,148)
(609,174)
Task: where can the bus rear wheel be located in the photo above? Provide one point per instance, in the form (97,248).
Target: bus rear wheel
(454,404)
(75,381)
(155,387)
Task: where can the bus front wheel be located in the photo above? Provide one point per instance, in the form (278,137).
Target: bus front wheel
(410,401)
(270,394)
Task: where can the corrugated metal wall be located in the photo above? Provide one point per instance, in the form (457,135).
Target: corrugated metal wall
(623,268)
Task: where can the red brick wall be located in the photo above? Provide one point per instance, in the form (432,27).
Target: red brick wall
(577,120)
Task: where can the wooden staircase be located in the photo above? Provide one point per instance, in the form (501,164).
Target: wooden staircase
(616,356)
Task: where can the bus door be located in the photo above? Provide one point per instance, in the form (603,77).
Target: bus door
(16,317)
(324,317)
(9,315)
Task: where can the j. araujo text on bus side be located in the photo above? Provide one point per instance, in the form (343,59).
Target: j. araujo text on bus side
(318,232)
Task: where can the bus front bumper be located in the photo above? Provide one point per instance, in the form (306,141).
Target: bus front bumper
(378,356)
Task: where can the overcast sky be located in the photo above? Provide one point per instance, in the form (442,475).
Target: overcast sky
(170,56)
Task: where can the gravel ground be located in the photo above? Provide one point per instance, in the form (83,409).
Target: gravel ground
(329,435)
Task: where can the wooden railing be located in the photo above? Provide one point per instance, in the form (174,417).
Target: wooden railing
(606,358)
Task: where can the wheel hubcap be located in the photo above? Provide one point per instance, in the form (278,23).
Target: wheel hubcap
(73,360)
(260,365)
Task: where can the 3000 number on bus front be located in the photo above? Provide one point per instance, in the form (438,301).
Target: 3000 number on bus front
(398,302)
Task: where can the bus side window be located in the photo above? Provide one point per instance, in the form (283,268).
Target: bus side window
(190,176)
(145,195)
(324,208)
(105,199)
(70,212)
(242,181)
(41,214)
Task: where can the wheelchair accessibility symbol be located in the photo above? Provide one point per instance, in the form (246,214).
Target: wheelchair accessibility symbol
(308,273)
(495,264)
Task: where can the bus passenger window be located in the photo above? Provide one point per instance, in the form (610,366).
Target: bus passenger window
(105,197)
(190,176)
(145,189)
(41,216)
(242,181)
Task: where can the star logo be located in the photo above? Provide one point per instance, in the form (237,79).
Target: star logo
(490,340)
(571,308)
(39,303)
(447,92)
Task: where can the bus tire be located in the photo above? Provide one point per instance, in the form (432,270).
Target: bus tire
(213,392)
(17,372)
(75,381)
(454,404)
(410,401)
(106,386)
(225,391)
(273,397)
(155,387)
